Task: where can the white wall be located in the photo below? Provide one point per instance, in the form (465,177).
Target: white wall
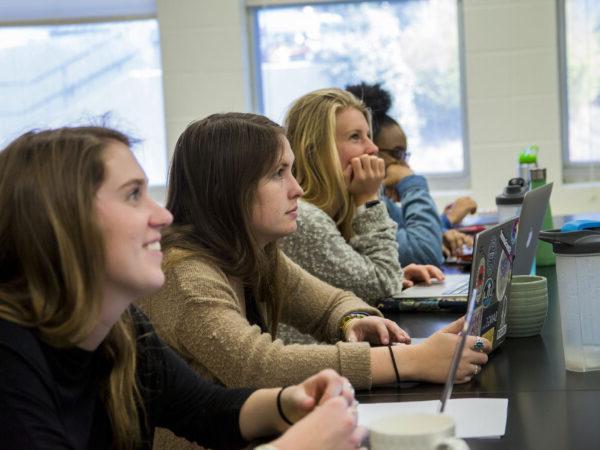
(512,84)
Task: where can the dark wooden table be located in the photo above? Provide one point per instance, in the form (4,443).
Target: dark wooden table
(548,407)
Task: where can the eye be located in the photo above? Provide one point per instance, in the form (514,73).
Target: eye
(134,194)
(279,173)
(354,136)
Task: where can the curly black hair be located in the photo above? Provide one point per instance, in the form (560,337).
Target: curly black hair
(378,100)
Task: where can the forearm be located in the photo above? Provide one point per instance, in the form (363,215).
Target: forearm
(420,238)
(419,245)
(316,307)
(259,416)
(383,369)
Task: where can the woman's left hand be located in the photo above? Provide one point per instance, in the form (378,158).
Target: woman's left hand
(375,330)
(416,273)
(300,399)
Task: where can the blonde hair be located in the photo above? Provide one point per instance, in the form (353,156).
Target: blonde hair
(52,256)
(310,126)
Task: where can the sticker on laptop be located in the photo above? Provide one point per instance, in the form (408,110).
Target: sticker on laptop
(488,292)
(480,279)
(501,331)
(489,335)
(475,327)
(503,276)
(491,256)
(490,317)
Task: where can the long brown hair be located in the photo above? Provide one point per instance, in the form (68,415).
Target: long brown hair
(310,125)
(216,168)
(52,255)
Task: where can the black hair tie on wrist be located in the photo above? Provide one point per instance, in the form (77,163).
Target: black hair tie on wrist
(280,409)
(394,363)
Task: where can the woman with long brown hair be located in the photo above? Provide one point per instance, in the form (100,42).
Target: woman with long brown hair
(81,367)
(228,285)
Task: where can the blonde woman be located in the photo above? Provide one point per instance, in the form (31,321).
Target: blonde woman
(345,236)
(424,236)
(80,366)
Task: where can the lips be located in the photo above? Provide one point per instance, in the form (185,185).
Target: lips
(293,210)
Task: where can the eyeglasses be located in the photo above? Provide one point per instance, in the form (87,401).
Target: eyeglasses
(398,153)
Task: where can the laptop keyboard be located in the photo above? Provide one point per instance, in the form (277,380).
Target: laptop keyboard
(461,288)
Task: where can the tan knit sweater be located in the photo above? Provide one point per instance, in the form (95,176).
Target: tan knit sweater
(199,312)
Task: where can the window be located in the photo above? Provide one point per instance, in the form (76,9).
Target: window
(411,46)
(581,80)
(55,75)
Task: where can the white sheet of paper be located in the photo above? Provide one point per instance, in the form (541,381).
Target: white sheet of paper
(474,417)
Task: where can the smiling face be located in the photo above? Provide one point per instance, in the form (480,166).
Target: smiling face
(352,136)
(131,224)
(276,202)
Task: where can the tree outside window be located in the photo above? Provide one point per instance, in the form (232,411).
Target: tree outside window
(412,47)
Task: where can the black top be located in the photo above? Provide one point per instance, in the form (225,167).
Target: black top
(49,397)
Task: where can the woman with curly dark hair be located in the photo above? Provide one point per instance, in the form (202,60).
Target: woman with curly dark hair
(422,234)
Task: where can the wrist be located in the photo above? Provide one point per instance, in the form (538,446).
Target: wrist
(407,361)
(282,415)
(362,208)
(345,322)
(446,222)
(360,200)
(452,218)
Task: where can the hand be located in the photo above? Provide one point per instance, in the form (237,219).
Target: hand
(396,172)
(375,330)
(434,356)
(332,426)
(300,399)
(391,193)
(453,242)
(461,207)
(363,177)
(421,273)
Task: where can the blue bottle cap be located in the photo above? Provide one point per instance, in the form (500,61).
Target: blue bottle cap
(580,224)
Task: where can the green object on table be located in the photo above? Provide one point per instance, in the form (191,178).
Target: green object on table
(544,255)
(528,160)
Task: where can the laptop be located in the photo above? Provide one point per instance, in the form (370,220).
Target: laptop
(492,270)
(452,292)
(531,219)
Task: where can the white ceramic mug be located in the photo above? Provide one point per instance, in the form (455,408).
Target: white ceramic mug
(415,432)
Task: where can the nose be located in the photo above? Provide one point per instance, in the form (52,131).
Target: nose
(296,190)
(161,217)
(371,149)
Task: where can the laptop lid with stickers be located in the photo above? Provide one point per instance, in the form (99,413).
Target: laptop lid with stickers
(491,274)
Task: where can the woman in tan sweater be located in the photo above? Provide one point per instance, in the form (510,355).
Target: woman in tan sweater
(232,195)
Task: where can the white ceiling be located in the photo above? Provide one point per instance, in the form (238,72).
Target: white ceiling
(44,10)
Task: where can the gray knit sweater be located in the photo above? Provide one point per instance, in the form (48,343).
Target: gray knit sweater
(367,264)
